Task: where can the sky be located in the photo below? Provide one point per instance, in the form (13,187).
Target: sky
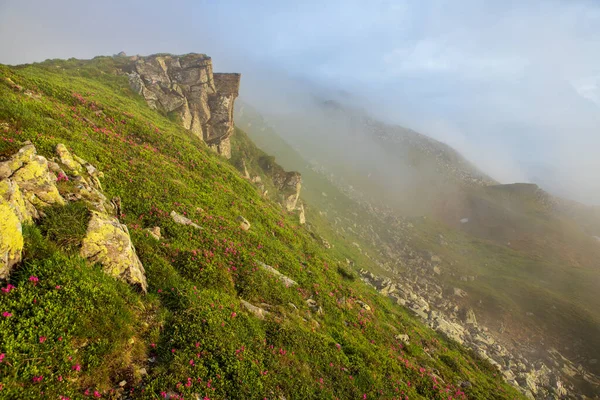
(513,85)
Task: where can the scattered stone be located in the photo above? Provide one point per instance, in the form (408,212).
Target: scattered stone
(244,223)
(284,279)
(154,232)
(314,307)
(122,383)
(302,215)
(257,311)
(437,270)
(107,242)
(180,219)
(364,305)
(404,338)
(464,220)
(459,292)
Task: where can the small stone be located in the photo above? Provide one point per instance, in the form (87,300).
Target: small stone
(404,338)
(257,311)
(122,383)
(154,232)
(180,219)
(244,223)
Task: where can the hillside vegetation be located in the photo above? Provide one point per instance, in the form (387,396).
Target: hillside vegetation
(69,331)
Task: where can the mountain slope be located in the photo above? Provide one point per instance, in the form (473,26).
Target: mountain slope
(69,330)
(523,261)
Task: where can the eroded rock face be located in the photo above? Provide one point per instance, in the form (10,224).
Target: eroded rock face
(187,86)
(107,242)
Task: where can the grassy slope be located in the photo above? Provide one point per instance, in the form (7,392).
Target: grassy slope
(527,258)
(76,330)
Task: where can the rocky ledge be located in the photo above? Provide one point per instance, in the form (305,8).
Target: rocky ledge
(187,86)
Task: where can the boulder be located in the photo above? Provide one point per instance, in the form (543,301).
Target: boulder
(180,219)
(36,182)
(108,243)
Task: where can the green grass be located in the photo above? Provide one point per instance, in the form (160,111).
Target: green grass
(191,324)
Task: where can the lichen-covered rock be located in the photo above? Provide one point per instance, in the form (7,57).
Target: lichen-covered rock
(16,161)
(187,86)
(11,238)
(66,158)
(35,181)
(108,242)
(10,192)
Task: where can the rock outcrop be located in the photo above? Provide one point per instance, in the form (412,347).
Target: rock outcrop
(187,86)
(28,185)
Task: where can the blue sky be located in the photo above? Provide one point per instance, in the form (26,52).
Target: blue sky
(514,85)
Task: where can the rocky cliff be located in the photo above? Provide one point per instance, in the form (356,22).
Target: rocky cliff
(186,85)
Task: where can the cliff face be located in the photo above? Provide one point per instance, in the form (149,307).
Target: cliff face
(187,86)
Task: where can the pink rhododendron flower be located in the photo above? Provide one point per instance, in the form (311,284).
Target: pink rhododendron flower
(6,314)
(8,288)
